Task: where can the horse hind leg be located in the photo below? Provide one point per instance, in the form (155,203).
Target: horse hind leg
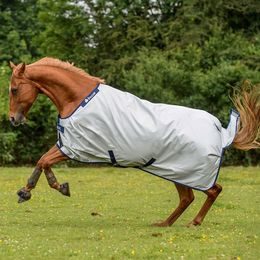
(212,195)
(186,198)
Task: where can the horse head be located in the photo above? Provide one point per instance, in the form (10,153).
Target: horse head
(22,94)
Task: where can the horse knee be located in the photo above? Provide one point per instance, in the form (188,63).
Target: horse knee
(43,163)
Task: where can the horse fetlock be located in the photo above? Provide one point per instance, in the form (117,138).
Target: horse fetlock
(23,194)
(55,185)
(52,181)
(65,189)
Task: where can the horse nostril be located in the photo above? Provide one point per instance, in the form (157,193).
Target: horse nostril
(12,120)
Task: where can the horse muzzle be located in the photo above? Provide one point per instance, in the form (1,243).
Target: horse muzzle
(17,120)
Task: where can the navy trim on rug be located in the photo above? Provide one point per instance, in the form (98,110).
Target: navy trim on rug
(89,97)
(60,128)
(84,102)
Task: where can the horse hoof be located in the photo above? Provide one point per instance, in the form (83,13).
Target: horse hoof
(65,189)
(161,224)
(193,224)
(24,195)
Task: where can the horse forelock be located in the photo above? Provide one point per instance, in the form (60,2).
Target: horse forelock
(52,62)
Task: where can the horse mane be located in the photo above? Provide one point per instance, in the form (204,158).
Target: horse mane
(47,61)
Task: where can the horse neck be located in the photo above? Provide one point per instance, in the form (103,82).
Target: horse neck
(66,89)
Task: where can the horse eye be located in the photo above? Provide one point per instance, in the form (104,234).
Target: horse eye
(14,91)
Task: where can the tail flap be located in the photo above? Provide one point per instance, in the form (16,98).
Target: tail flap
(229,133)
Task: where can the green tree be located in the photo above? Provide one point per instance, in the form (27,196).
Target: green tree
(190,52)
(19,25)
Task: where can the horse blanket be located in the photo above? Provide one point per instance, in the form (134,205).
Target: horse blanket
(180,144)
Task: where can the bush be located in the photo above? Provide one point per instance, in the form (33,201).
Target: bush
(7,147)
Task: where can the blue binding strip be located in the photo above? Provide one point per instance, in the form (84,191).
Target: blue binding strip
(84,102)
(60,128)
(234,112)
(89,97)
(60,144)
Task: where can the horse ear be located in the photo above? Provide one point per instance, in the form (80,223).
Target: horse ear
(11,65)
(21,69)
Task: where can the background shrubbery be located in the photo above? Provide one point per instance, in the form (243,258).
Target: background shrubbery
(189,52)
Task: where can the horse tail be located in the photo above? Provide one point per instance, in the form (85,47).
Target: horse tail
(247,102)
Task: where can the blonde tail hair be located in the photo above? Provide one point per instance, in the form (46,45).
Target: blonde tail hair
(247,102)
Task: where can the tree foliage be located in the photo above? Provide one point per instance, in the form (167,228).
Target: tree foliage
(190,52)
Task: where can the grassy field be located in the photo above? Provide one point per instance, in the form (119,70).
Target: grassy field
(110,211)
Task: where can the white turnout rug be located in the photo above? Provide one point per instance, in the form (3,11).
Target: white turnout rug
(176,143)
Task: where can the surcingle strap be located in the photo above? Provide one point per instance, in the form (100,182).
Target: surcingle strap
(229,133)
(151,161)
(114,162)
(112,157)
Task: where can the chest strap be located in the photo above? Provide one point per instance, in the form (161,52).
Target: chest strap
(114,162)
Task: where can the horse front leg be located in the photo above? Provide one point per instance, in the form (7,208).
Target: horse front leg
(52,181)
(25,192)
(47,160)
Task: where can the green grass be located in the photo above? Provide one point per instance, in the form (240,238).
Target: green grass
(51,226)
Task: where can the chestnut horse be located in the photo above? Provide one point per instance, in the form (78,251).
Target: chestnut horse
(67,86)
